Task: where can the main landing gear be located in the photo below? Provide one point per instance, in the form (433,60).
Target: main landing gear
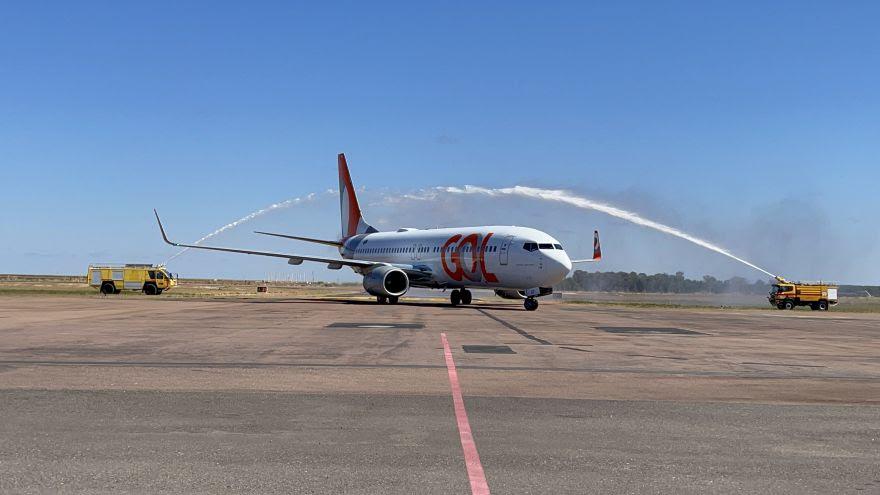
(460,296)
(530,304)
(387,300)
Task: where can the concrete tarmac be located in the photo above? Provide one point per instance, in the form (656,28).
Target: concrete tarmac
(136,395)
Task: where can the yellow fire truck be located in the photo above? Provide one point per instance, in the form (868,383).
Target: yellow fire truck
(787,295)
(113,279)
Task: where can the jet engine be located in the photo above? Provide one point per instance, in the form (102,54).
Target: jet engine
(386,281)
(521,294)
(510,294)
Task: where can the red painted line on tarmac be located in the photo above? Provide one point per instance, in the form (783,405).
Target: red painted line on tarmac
(468,445)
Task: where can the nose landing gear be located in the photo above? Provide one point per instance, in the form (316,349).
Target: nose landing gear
(530,304)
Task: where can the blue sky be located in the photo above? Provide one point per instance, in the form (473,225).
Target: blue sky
(755,125)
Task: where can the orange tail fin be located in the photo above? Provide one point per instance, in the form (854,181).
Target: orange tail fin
(353,222)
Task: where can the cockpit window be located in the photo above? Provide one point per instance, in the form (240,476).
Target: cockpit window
(558,246)
(530,246)
(545,246)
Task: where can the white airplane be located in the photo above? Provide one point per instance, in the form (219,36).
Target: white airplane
(517,262)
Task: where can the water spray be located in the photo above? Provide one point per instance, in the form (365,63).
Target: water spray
(554,195)
(587,204)
(250,216)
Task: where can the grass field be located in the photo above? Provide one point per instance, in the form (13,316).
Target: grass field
(706,300)
(72,286)
(62,285)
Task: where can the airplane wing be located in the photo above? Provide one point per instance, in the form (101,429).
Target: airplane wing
(597,250)
(293,259)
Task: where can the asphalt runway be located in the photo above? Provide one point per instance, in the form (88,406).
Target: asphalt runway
(136,395)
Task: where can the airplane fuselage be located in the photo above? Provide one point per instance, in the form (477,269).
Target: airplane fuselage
(498,257)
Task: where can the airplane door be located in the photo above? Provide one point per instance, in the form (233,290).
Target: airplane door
(505,247)
(415,252)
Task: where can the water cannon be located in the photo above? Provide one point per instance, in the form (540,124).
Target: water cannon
(781,280)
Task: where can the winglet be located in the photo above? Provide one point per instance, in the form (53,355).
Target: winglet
(162,229)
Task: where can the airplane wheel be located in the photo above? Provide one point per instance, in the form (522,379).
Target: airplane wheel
(381,299)
(466,296)
(455,297)
(393,299)
(530,304)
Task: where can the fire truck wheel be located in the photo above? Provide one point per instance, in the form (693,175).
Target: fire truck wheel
(788,304)
(823,305)
(150,290)
(107,288)
(780,306)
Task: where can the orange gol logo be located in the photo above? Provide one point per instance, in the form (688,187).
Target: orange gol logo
(459,246)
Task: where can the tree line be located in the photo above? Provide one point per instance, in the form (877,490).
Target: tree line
(660,282)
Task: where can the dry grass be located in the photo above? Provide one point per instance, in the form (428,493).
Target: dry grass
(12,285)
(73,286)
(706,300)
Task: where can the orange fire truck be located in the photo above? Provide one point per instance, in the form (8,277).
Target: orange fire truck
(788,295)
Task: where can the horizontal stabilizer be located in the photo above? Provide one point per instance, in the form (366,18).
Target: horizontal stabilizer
(597,250)
(306,239)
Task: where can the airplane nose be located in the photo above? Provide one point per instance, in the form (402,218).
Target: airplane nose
(560,266)
(566,263)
